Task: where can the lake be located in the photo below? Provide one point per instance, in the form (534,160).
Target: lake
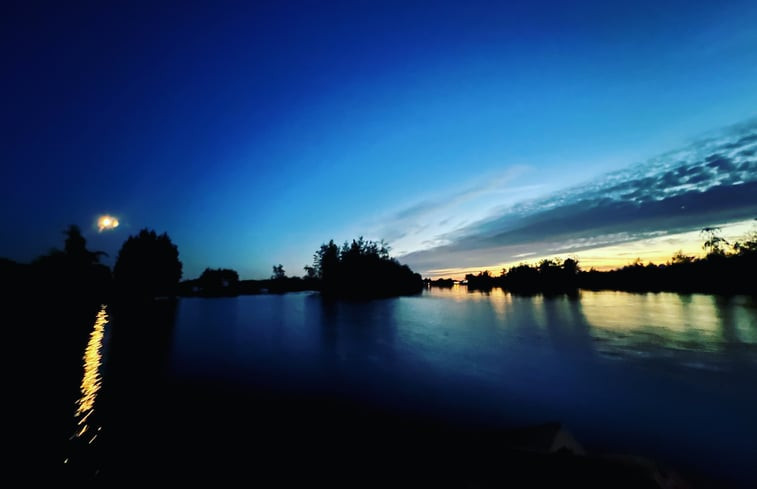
(666,376)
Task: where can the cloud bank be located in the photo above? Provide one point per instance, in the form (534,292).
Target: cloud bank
(711,181)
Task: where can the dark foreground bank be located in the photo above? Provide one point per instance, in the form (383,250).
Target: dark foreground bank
(222,436)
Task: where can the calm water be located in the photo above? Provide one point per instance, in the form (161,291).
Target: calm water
(672,377)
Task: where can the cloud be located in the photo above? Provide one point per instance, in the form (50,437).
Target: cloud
(412,223)
(710,181)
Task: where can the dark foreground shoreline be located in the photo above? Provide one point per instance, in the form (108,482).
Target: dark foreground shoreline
(222,435)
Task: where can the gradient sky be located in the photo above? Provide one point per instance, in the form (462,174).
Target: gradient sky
(467,134)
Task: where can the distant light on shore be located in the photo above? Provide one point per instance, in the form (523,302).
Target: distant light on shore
(106,222)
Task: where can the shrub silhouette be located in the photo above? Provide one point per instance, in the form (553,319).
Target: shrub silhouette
(148,266)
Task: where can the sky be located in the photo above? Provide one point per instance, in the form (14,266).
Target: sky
(469,135)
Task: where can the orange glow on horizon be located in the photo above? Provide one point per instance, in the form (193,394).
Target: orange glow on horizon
(658,250)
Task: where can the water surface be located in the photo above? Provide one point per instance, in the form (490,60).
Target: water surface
(662,375)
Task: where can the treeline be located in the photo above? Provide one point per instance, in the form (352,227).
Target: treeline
(440,282)
(62,278)
(224,282)
(52,301)
(148,267)
(717,273)
(359,269)
(725,269)
(548,276)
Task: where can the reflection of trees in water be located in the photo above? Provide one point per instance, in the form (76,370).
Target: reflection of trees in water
(566,324)
(141,334)
(135,367)
(695,330)
(699,323)
(727,325)
(690,335)
(353,335)
(735,349)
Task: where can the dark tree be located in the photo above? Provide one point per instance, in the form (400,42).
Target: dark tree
(75,248)
(218,282)
(680,258)
(714,244)
(73,272)
(570,267)
(326,264)
(278,272)
(75,243)
(746,246)
(148,266)
(440,282)
(482,281)
(310,272)
(363,269)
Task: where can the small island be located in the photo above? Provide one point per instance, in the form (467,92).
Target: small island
(362,269)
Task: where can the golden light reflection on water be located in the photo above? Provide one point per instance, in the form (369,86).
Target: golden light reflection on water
(461,293)
(622,322)
(91,380)
(689,322)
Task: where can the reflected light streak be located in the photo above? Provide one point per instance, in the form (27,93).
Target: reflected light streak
(91,381)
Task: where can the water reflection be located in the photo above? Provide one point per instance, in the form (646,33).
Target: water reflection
(614,367)
(668,326)
(667,323)
(91,380)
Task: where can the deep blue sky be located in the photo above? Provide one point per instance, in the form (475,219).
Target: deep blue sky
(253,133)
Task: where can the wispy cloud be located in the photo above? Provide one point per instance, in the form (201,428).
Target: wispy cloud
(422,224)
(712,180)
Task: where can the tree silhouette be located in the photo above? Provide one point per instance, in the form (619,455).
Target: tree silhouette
(726,269)
(680,258)
(278,272)
(73,272)
(326,264)
(714,242)
(363,269)
(747,245)
(218,282)
(310,272)
(75,247)
(148,266)
(571,268)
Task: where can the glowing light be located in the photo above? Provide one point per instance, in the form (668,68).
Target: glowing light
(90,382)
(106,222)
